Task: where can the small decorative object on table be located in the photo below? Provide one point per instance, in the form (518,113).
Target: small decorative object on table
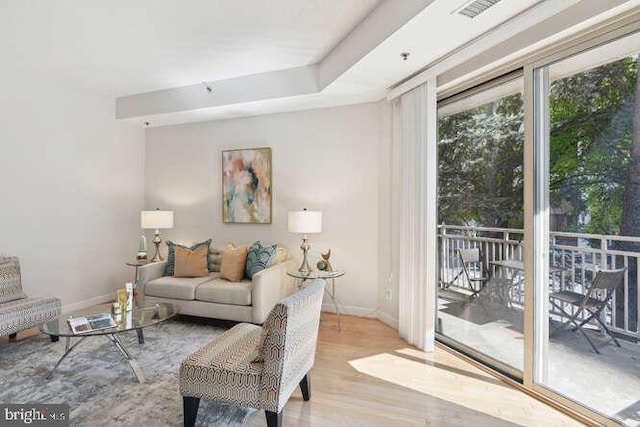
(122,299)
(129,288)
(115,309)
(142,249)
(324,264)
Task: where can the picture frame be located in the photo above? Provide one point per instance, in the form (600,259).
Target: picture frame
(247,186)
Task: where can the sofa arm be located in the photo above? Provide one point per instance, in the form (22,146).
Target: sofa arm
(147,272)
(269,287)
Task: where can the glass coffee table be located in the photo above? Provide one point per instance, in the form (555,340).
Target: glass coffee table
(134,320)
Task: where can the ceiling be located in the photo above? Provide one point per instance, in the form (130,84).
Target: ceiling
(315,53)
(123,47)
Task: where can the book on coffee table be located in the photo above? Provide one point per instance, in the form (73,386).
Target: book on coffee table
(80,325)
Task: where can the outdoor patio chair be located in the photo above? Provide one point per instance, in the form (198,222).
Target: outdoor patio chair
(591,304)
(474,269)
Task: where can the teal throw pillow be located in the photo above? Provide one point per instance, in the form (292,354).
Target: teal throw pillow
(259,257)
(169,269)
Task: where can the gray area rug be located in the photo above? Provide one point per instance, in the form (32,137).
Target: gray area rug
(99,385)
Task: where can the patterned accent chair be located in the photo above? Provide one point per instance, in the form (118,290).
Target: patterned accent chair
(257,367)
(17,311)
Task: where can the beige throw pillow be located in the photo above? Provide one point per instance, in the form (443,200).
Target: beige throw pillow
(281,255)
(233,263)
(191,263)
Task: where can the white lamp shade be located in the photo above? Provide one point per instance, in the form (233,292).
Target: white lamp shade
(305,222)
(156,219)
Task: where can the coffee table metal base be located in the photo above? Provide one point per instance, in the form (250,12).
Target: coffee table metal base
(117,343)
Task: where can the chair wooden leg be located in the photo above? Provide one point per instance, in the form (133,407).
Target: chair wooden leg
(274,419)
(13,337)
(305,387)
(190,410)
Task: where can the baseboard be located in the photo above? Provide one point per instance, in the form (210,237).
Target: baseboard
(363,312)
(388,320)
(69,308)
(351,310)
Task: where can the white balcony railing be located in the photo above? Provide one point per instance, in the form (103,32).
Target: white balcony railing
(577,256)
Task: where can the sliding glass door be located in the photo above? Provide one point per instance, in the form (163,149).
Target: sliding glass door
(480,199)
(539,224)
(588,150)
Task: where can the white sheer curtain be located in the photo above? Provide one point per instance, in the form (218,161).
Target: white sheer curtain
(415,114)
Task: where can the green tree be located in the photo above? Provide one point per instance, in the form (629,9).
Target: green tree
(480,165)
(591,135)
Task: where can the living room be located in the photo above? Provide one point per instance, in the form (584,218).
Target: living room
(113,109)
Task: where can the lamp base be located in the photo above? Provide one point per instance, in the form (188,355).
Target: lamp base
(304,267)
(157,240)
(157,257)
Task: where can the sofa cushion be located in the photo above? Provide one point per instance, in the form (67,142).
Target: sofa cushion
(191,263)
(233,264)
(171,255)
(259,257)
(10,287)
(225,292)
(176,287)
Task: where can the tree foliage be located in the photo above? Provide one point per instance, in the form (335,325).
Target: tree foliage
(480,165)
(591,117)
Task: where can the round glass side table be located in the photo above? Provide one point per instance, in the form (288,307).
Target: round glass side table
(326,276)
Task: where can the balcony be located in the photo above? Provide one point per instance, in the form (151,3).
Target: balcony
(494,326)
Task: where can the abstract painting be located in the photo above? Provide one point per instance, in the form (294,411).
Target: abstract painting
(246,186)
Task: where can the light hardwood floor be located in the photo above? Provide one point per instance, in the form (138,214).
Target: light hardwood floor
(367,376)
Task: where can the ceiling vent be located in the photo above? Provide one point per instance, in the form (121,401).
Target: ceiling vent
(476,7)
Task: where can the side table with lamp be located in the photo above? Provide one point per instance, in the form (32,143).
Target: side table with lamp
(326,276)
(307,222)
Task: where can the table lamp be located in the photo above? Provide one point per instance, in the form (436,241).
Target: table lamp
(156,220)
(305,222)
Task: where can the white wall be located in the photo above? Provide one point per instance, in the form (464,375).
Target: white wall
(326,159)
(71,189)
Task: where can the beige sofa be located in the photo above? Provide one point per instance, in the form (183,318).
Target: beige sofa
(217,298)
